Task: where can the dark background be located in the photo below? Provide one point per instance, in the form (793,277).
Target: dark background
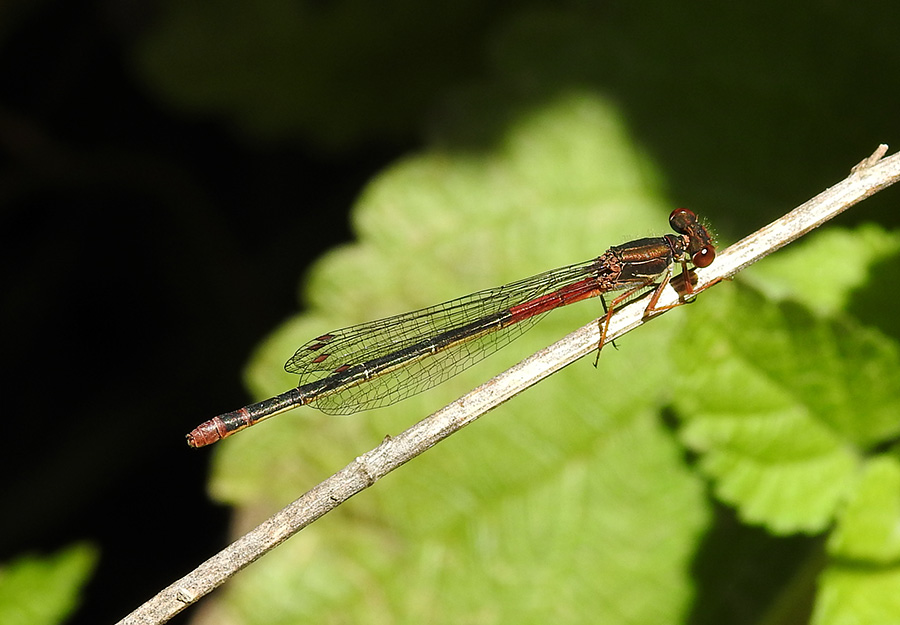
(144,254)
(149,242)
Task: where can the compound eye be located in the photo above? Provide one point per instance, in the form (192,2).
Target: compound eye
(704,256)
(681,219)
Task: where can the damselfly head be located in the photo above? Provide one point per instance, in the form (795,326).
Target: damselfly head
(701,246)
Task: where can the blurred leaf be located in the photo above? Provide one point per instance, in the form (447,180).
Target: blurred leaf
(37,590)
(869,527)
(858,595)
(875,302)
(336,73)
(597,532)
(825,270)
(781,405)
(342,73)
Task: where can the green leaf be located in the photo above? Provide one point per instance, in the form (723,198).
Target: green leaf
(782,405)
(38,590)
(868,531)
(587,532)
(850,595)
(824,271)
(571,499)
(324,72)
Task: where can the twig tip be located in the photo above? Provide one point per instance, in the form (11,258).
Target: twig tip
(876,156)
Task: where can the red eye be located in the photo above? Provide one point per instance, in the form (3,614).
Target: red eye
(704,256)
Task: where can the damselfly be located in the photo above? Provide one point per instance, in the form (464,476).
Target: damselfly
(378,363)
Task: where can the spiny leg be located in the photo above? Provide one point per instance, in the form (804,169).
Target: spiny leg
(687,297)
(605,313)
(604,325)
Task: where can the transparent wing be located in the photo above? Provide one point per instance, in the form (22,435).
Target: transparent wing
(341,349)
